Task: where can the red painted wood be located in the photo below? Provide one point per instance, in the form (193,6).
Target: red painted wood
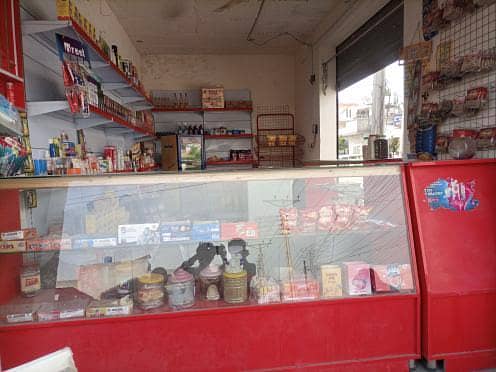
(9,263)
(457,262)
(361,329)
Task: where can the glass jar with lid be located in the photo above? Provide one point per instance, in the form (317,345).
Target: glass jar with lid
(210,282)
(150,291)
(181,289)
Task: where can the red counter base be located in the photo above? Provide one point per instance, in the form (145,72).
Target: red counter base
(456,257)
(380,333)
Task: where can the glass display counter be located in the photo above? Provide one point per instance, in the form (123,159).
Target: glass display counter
(130,246)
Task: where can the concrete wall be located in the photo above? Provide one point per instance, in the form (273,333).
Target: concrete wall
(270,78)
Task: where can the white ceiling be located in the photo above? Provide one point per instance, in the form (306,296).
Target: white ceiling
(218,26)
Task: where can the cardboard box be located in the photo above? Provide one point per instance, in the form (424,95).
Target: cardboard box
(213,97)
(143,233)
(175,231)
(357,280)
(9,246)
(332,285)
(239,230)
(205,230)
(170,161)
(300,289)
(19,234)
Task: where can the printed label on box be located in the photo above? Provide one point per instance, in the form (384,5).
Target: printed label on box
(452,195)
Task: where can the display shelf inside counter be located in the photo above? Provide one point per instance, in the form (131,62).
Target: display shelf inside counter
(206,243)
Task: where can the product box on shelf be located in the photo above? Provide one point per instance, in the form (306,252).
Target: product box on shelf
(144,233)
(357,278)
(212,97)
(49,244)
(239,230)
(9,246)
(100,308)
(300,289)
(205,230)
(332,285)
(93,242)
(19,234)
(175,231)
(18,313)
(393,277)
(62,310)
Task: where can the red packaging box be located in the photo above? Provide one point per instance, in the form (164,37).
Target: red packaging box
(394,277)
(239,230)
(49,244)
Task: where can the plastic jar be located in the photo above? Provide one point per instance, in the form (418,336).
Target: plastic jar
(150,291)
(181,290)
(462,144)
(30,280)
(210,282)
(235,287)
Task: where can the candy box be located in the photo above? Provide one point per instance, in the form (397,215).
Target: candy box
(332,285)
(144,233)
(265,290)
(40,244)
(300,289)
(206,230)
(19,234)
(239,230)
(357,278)
(49,244)
(12,246)
(393,277)
(175,231)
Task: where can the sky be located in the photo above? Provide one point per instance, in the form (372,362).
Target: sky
(360,91)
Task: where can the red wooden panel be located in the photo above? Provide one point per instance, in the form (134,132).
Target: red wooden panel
(288,336)
(458,248)
(456,254)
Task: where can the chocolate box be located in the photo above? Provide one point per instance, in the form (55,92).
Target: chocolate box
(95,242)
(357,278)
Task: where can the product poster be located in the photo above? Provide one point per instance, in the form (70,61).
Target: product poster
(451,194)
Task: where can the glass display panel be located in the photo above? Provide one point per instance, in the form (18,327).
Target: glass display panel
(175,243)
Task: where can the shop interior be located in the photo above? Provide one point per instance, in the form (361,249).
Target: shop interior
(283,179)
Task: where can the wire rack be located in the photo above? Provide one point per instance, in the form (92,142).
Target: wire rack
(472,33)
(275,156)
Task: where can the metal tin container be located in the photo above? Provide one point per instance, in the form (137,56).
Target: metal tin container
(235,287)
(181,290)
(150,291)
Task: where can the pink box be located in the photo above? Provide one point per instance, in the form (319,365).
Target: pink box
(357,278)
